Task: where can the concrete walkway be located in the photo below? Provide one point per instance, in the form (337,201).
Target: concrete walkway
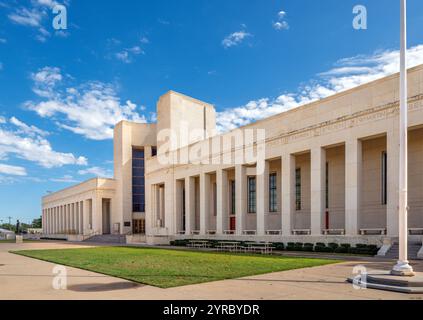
(26,278)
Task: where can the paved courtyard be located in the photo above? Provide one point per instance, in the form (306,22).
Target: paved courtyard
(26,278)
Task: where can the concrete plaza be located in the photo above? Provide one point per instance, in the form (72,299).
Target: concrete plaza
(26,278)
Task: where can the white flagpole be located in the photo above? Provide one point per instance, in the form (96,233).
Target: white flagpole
(403,268)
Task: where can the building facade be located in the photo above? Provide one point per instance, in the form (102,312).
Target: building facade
(323,172)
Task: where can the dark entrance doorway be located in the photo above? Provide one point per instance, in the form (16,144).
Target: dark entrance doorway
(106,215)
(232,223)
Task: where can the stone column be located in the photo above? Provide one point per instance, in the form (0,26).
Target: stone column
(67,214)
(240,198)
(54,220)
(77,218)
(392,154)
(353,165)
(62,219)
(262,180)
(288,193)
(48,221)
(189,204)
(318,186)
(222,201)
(204,202)
(81,217)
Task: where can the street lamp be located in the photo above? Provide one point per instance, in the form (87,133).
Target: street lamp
(402,268)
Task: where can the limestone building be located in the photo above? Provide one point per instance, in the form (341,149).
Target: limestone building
(328,172)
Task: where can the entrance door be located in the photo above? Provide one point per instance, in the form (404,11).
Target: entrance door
(232,223)
(106,216)
(138,226)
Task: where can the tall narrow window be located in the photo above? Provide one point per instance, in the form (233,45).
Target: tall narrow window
(215,199)
(273,193)
(183,210)
(327,186)
(233,207)
(251,194)
(298,189)
(384,178)
(138,180)
(153,151)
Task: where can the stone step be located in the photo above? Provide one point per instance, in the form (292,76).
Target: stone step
(412,251)
(107,238)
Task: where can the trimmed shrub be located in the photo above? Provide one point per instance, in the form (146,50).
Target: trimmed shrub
(333,246)
(341,249)
(279,246)
(299,246)
(309,247)
(290,246)
(320,247)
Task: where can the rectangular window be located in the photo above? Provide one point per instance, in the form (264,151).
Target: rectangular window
(233,207)
(327,186)
(138,180)
(273,193)
(298,189)
(214,199)
(251,194)
(384,178)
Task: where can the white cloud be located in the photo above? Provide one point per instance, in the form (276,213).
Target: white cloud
(12,170)
(29,130)
(27,17)
(281,23)
(96,171)
(28,143)
(35,16)
(65,179)
(127,55)
(235,39)
(45,81)
(347,73)
(144,40)
(2,40)
(91,109)
(281,14)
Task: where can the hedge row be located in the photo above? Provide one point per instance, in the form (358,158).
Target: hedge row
(362,249)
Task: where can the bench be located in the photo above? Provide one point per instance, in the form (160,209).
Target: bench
(334,232)
(370,231)
(261,247)
(415,231)
(228,246)
(198,244)
(301,232)
(249,232)
(273,232)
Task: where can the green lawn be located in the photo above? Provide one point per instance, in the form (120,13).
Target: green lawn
(170,268)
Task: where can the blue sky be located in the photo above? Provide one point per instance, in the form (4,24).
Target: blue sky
(61,92)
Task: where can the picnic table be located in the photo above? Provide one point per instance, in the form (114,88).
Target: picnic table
(262,247)
(229,246)
(199,243)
